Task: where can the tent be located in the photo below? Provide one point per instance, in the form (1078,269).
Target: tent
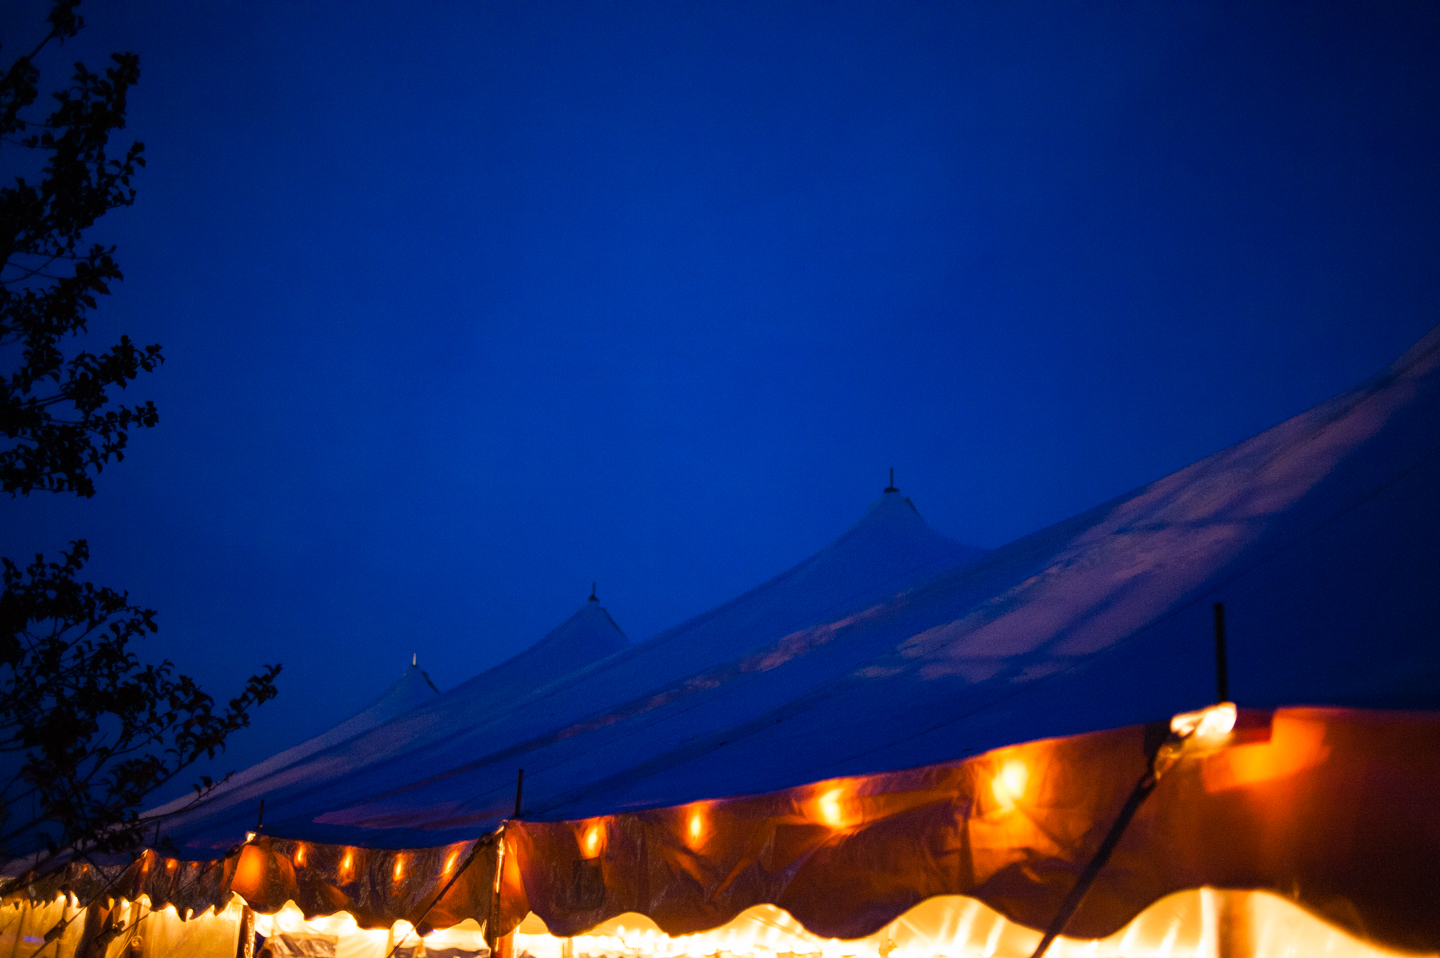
(904,744)
(551,690)
(412,689)
(586,637)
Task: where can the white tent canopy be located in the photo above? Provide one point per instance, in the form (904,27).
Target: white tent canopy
(895,647)
(412,689)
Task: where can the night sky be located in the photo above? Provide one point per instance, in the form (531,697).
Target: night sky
(468,305)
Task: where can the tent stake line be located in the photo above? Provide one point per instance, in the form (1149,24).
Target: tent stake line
(1072,901)
(418,924)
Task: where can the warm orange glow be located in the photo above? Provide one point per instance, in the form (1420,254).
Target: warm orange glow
(592,841)
(831,813)
(1182,923)
(249,871)
(299,856)
(450,862)
(1295,745)
(345,865)
(399,867)
(170,864)
(1008,786)
(697,826)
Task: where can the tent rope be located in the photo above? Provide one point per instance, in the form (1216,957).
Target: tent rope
(481,842)
(1159,758)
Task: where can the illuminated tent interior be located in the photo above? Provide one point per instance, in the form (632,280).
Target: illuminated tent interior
(904,745)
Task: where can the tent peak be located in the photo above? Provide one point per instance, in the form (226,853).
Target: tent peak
(892,507)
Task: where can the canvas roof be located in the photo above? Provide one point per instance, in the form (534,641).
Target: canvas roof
(894,647)
(394,721)
(413,688)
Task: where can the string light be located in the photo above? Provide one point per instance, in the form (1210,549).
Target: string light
(1208,726)
(1009,783)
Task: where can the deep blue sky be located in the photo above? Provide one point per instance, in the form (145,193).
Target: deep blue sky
(467,305)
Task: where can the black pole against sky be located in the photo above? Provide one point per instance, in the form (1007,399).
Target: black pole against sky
(1222,677)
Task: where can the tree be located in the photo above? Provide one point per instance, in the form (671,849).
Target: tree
(87,731)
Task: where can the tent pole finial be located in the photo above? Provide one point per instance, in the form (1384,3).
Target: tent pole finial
(414,658)
(891,487)
(592,592)
(519,790)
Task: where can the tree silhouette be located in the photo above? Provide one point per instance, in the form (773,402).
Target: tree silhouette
(87,731)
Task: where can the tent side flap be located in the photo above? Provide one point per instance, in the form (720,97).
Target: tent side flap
(1291,807)
(378,887)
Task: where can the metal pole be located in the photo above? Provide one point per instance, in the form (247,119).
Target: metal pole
(492,921)
(1222,677)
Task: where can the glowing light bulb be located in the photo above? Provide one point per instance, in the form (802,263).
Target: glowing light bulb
(592,840)
(1009,784)
(399,866)
(1216,723)
(830,811)
(1208,726)
(450,862)
(300,856)
(697,826)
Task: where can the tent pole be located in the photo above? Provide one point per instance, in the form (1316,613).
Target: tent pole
(1222,677)
(245,946)
(519,786)
(492,940)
